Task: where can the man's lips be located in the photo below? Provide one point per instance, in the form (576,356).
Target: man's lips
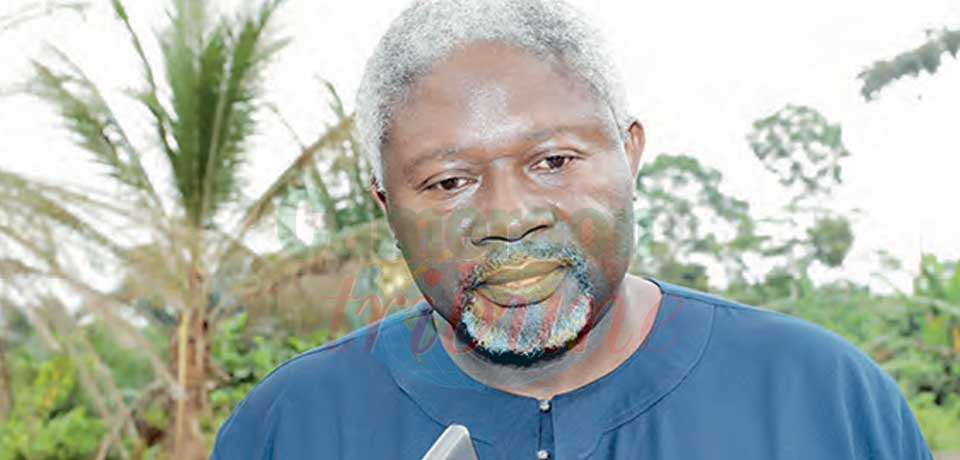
(521,284)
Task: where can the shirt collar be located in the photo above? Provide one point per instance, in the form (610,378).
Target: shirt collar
(422,368)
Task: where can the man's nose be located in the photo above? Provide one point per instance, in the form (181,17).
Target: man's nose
(509,210)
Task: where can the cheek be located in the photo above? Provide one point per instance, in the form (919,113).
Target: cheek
(595,210)
(419,232)
(598,211)
(438,281)
(431,245)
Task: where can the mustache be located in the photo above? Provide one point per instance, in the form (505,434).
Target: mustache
(564,253)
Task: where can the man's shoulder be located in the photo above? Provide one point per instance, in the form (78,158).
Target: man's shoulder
(311,388)
(759,354)
(773,338)
(351,356)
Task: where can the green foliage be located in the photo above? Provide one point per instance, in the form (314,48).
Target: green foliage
(49,420)
(801,147)
(831,238)
(129,368)
(939,422)
(244,360)
(690,220)
(52,419)
(694,225)
(924,58)
(935,320)
(938,280)
(692,275)
(804,151)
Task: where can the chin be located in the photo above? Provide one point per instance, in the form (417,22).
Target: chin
(526,334)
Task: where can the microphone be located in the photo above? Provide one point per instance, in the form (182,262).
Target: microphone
(453,444)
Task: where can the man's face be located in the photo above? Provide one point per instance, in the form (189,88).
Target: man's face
(509,190)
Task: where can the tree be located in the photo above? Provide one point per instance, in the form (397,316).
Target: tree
(178,236)
(926,57)
(689,223)
(804,151)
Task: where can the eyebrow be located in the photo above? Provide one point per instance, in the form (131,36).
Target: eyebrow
(446,152)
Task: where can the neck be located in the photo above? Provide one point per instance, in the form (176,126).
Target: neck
(611,340)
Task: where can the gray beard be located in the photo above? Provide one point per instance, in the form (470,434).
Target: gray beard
(526,332)
(534,332)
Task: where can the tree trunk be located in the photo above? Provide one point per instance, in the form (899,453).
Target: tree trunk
(6,405)
(190,358)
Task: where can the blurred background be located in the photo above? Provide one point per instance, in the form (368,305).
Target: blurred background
(183,206)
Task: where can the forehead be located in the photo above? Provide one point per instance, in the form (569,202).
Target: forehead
(490,93)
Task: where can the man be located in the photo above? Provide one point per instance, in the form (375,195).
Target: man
(505,160)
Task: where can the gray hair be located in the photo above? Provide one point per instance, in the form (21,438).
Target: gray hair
(429,30)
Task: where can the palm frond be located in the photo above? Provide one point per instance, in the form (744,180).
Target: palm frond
(40,325)
(86,114)
(181,60)
(150,97)
(351,162)
(102,303)
(26,203)
(46,224)
(358,242)
(291,176)
(37,10)
(233,121)
(214,79)
(41,259)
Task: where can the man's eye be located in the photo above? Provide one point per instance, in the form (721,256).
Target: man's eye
(554,162)
(449,185)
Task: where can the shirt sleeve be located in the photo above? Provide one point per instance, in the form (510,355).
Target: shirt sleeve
(287,415)
(248,432)
(913,445)
(876,418)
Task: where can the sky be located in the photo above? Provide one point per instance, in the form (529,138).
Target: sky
(698,73)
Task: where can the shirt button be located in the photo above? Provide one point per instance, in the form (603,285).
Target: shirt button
(543,454)
(544,405)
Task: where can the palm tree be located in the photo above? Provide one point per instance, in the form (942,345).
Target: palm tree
(173,239)
(33,10)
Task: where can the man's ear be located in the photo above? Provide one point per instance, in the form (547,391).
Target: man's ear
(378,194)
(634,143)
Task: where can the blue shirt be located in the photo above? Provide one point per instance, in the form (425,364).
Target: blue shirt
(713,380)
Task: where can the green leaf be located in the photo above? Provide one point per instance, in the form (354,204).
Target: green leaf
(925,57)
